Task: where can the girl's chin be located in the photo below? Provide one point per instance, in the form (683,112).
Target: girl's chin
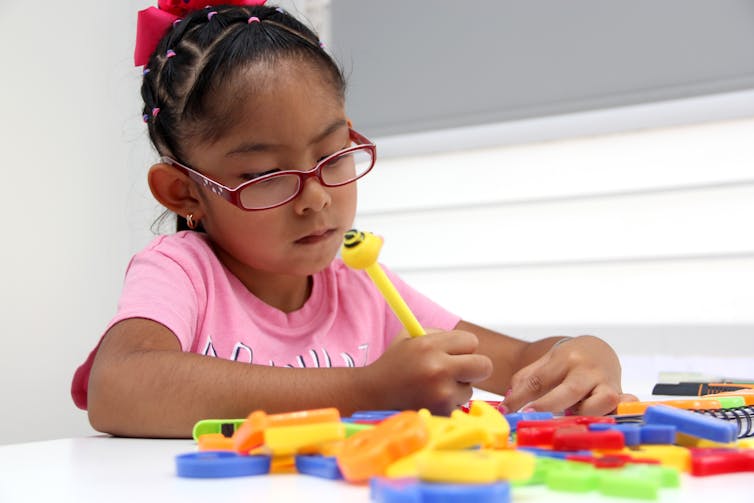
(312,267)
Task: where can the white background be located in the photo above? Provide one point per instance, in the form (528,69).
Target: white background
(644,237)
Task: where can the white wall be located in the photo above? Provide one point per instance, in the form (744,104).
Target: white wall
(642,237)
(75,207)
(75,204)
(72,193)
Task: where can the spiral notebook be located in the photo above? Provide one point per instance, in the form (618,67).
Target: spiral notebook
(743,417)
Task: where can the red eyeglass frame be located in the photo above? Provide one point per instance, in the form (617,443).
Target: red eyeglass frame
(232,195)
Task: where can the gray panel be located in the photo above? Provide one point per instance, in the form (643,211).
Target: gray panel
(422,65)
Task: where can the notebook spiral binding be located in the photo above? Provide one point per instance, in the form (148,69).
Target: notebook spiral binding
(742,416)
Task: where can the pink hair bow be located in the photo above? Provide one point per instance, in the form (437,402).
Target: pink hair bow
(154,22)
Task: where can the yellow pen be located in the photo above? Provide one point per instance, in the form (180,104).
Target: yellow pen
(360,251)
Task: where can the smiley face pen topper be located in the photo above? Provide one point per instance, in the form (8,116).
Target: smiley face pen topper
(360,251)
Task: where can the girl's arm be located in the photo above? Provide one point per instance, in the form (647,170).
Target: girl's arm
(582,375)
(142,384)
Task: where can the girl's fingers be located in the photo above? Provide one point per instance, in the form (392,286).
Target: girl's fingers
(565,395)
(603,400)
(628,397)
(622,397)
(448,398)
(533,381)
(581,379)
(471,368)
(456,342)
(465,391)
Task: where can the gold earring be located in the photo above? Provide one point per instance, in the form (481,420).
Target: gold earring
(190,221)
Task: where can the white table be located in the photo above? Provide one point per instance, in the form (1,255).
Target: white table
(103,469)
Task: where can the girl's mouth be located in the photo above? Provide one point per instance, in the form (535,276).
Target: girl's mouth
(316,237)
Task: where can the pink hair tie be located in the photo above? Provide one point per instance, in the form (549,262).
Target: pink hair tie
(210,14)
(155,111)
(253,19)
(170,53)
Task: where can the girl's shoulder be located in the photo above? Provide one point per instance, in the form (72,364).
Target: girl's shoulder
(179,243)
(187,249)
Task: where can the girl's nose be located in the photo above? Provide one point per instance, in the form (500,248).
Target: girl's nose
(313,197)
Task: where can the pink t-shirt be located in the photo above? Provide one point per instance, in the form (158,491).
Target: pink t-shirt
(179,282)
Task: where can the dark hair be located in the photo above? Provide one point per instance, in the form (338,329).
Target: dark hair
(205,52)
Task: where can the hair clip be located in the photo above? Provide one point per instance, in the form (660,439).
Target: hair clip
(155,111)
(210,14)
(253,19)
(145,71)
(175,23)
(145,118)
(170,53)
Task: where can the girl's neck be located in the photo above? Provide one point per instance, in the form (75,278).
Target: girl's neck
(287,293)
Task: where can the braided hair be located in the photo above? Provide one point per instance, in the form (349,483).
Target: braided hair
(202,53)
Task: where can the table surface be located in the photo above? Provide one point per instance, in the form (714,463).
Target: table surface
(102,468)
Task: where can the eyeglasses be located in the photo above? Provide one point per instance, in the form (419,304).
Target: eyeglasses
(277,188)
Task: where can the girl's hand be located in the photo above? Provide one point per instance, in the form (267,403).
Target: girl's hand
(578,376)
(435,371)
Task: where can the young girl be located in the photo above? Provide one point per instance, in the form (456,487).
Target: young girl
(247,306)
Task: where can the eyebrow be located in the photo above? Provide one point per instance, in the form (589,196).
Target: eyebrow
(251,147)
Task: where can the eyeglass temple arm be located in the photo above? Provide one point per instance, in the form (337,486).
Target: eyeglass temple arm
(359,138)
(199,178)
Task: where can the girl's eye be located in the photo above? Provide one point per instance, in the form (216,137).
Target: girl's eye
(333,152)
(251,176)
(325,156)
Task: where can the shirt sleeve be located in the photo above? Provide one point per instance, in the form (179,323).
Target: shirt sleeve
(160,289)
(157,288)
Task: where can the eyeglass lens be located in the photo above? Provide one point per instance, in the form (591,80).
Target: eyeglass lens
(339,170)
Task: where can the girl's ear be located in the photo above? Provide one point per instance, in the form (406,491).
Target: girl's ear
(174,190)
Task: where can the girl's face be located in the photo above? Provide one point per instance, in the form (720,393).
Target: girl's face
(292,119)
